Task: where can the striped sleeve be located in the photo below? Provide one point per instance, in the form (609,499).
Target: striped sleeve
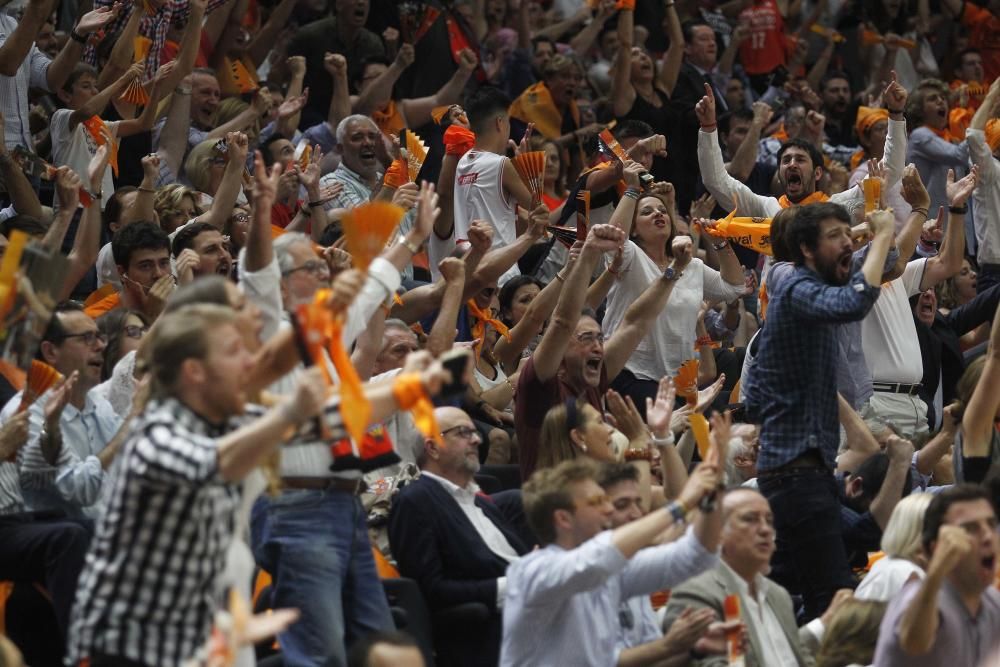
(167,456)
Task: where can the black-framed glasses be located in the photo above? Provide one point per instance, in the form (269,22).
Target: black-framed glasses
(313,266)
(463,432)
(590,338)
(135,331)
(88,337)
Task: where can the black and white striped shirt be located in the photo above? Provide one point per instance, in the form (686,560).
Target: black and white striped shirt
(146,589)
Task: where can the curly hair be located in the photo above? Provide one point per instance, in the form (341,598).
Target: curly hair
(915,104)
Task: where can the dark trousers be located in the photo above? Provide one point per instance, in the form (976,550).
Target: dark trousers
(50,552)
(810,559)
(102,660)
(988,276)
(627,384)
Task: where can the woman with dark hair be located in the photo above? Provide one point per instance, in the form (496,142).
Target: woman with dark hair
(977,444)
(124,330)
(645,257)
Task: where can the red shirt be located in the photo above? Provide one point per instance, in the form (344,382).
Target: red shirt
(766,47)
(534,399)
(984,34)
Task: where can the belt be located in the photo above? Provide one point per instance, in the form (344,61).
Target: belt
(897,387)
(352,486)
(810,460)
(992,268)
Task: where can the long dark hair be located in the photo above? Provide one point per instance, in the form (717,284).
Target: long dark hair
(112,325)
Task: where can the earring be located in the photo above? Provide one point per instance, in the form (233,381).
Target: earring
(583,448)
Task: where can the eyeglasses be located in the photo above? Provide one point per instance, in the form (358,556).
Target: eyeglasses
(590,338)
(241,218)
(218,160)
(463,432)
(313,266)
(596,500)
(88,337)
(135,331)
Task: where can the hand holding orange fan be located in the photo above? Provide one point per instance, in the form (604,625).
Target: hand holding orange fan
(135,93)
(414,151)
(367,228)
(686,382)
(530,167)
(582,217)
(41,378)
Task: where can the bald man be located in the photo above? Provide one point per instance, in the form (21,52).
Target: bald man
(454,540)
(748,542)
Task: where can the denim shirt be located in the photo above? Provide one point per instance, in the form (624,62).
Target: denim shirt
(792,392)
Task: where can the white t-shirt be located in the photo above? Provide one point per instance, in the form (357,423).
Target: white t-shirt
(479,195)
(107,270)
(886,578)
(671,339)
(888,335)
(75,148)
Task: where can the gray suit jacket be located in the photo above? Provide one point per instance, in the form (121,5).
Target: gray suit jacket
(709,589)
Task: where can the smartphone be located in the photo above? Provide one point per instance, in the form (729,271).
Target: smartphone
(457,363)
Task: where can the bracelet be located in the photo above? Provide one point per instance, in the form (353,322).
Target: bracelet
(560,278)
(664,442)
(409,245)
(632,193)
(721,245)
(894,111)
(709,128)
(180,90)
(77,37)
(315,204)
(151,191)
(921,210)
(959,210)
(636,454)
(702,341)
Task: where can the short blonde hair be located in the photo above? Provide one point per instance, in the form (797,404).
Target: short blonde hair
(548,490)
(852,634)
(901,537)
(180,335)
(198,164)
(170,196)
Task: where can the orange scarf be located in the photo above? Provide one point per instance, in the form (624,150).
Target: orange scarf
(410,395)
(535,105)
(482,318)
(752,233)
(458,140)
(814,198)
(389,119)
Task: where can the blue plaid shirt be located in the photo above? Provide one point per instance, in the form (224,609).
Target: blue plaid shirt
(792,389)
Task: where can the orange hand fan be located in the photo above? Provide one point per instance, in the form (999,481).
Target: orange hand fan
(8,271)
(306,157)
(611,147)
(686,382)
(135,94)
(149,7)
(41,378)
(731,610)
(699,429)
(367,228)
(438,113)
(829,33)
(530,167)
(869,37)
(415,152)
(242,78)
(398,173)
(140,48)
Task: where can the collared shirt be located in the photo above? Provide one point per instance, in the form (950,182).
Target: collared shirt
(494,539)
(74,483)
(637,623)
(33,73)
(562,605)
(986,198)
(147,591)
(933,157)
(962,639)
(775,648)
(356,190)
(790,388)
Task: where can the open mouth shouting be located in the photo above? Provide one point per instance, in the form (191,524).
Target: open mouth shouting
(793,182)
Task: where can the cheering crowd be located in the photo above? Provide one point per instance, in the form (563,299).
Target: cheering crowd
(499,332)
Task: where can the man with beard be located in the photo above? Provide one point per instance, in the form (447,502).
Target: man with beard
(792,395)
(800,164)
(454,540)
(952,617)
(200,250)
(839,109)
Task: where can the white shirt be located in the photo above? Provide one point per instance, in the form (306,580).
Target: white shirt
(777,652)
(670,341)
(74,149)
(107,270)
(986,198)
(886,578)
(479,195)
(32,72)
(888,334)
(486,529)
(562,605)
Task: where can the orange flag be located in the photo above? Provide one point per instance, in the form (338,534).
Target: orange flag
(410,395)
(484,317)
(753,233)
(699,429)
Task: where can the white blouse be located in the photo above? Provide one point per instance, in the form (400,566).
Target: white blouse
(670,341)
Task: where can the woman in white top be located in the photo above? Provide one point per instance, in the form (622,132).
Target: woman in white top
(646,255)
(903,547)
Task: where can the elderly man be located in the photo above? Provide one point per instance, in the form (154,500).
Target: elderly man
(454,540)
(279,277)
(766,608)
(357,141)
(72,430)
(952,617)
(741,464)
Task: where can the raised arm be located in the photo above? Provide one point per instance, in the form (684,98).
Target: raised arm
(259,244)
(265,39)
(340,103)
(418,111)
(123,50)
(644,310)
(188,51)
(900,453)
(96,104)
(381,88)
(142,208)
(87,242)
(72,52)
(258,107)
(585,38)
(746,155)
(622,92)
(16,47)
(549,353)
(979,415)
(673,57)
(145,120)
(442,335)
(173,139)
(948,261)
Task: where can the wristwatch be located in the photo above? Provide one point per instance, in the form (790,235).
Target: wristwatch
(670,273)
